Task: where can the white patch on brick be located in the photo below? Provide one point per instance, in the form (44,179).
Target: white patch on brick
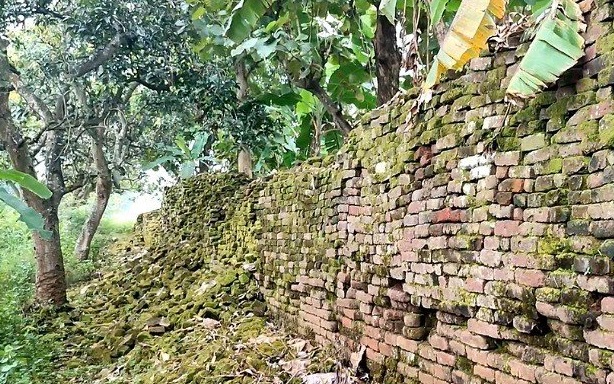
(381,167)
(476,161)
(480,172)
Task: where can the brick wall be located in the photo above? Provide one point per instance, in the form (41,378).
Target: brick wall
(457,248)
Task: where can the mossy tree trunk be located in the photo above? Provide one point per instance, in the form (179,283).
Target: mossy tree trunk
(244,156)
(387,59)
(104,187)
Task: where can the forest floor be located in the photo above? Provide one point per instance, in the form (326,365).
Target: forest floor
(146,319)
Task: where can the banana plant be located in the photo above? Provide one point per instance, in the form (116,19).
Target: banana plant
(467,37)
(29,216)
(556,43)
(556,47)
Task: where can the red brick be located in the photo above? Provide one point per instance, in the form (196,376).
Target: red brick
(446,359)
(474,285)
(425,378)
(530,277)
(503,378)
(507,228)
(386,349)
(438,342)
(373,332)
(370,343)
(511,185)
(483,328)
(375,356)
(447,215)
(507,158)
(606,322)
(607,304)
(407,344)
(600,339)
(485,373)
(522,370)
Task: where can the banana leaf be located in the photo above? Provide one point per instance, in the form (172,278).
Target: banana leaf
(467,37)
(557,46)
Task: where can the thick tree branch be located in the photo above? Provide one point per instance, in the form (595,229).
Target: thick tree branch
(101,56)
(152,86)
(312,85)
(35,102)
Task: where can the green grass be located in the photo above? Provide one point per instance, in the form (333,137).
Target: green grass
(26,354)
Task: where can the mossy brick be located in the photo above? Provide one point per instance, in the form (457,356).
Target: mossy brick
(606,131)
(508,143)
(605,44)
(580,100)
(525,115)
(533,142)
(451,95)
(575,164)
(586,84)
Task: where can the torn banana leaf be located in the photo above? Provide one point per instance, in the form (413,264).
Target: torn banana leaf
(557,46)
(467,37)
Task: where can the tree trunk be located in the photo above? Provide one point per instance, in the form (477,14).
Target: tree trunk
(245,162)
(244,157)
(315,147)
(387,59)
(104,187)
(103,193)
(50,274)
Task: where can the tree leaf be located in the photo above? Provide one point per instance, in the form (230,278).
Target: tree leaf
(333,140)
(286,99)
(157,162)
(368,22)
(472,26)
(388,9)
(557,46)
(198,13)
(200,140)
(244,18)
(303,141)
(29,216)
(437,8)
(345,84)
(26,181)
(180,142)
(187,169)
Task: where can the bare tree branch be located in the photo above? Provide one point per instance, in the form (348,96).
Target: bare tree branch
(35,102)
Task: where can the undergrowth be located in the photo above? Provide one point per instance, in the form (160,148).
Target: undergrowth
(26,353)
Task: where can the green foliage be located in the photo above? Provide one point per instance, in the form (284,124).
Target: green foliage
(29,216)
(25,181)
(213,134)
(244,16)
(437,8)
(288,44)
(27,353)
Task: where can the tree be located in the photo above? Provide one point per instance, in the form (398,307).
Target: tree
(215,122)
(317,46)
(87,63)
